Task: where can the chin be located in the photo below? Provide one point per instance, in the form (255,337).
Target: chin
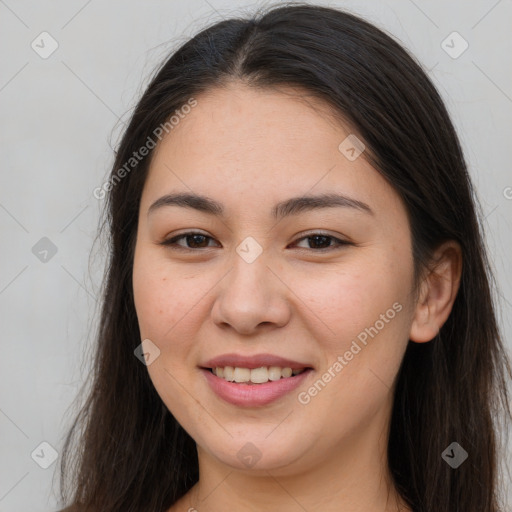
(258,452)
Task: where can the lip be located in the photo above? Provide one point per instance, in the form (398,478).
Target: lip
(255,361)
(253,395)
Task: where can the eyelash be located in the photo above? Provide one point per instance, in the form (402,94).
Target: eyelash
(171,242)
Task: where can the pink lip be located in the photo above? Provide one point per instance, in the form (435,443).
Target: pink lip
(255,361)
(253,395)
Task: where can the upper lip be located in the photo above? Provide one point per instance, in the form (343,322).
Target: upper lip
(254,361)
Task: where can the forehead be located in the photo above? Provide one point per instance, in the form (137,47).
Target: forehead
(237,118)
(257,146)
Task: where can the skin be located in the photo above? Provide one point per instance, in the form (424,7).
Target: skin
(250,149)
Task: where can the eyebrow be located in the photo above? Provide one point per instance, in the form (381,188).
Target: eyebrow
(292,206)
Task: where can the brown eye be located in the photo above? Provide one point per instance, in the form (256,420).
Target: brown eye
(192,241)
(321,242)
(196,241)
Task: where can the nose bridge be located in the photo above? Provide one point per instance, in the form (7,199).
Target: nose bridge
(249,282)
(250,270)
(250,294)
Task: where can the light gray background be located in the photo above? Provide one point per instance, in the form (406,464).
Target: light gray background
(59,118)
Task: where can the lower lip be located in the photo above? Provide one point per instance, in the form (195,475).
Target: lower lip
(253,395)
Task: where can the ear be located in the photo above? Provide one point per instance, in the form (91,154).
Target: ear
(437,293)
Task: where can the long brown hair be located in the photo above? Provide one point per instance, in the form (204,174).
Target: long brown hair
(125,451)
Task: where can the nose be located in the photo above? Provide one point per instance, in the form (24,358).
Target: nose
(251,297)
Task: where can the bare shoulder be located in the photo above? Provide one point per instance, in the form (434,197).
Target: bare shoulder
(179,506)
(183,504)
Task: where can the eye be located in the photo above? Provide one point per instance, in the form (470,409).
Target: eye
(193,240)
(322,242)
(317,242)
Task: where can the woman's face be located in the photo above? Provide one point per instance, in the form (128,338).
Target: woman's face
(301,259)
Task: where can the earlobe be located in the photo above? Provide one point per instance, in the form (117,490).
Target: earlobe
(437,293)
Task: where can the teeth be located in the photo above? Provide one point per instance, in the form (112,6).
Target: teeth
(274,373)
(286,372)
(259,375)
(228,373)
(254,375)
(242,374)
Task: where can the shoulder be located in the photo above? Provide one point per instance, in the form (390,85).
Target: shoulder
(75,508)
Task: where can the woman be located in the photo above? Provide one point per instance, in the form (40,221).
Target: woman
(297,312)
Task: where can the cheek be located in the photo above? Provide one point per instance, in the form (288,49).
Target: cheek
(375,303)
(347,301)
(165,311)
(159,298)
(171,303)
(360,323)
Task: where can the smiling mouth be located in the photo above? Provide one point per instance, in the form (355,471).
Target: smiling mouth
(259,375)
